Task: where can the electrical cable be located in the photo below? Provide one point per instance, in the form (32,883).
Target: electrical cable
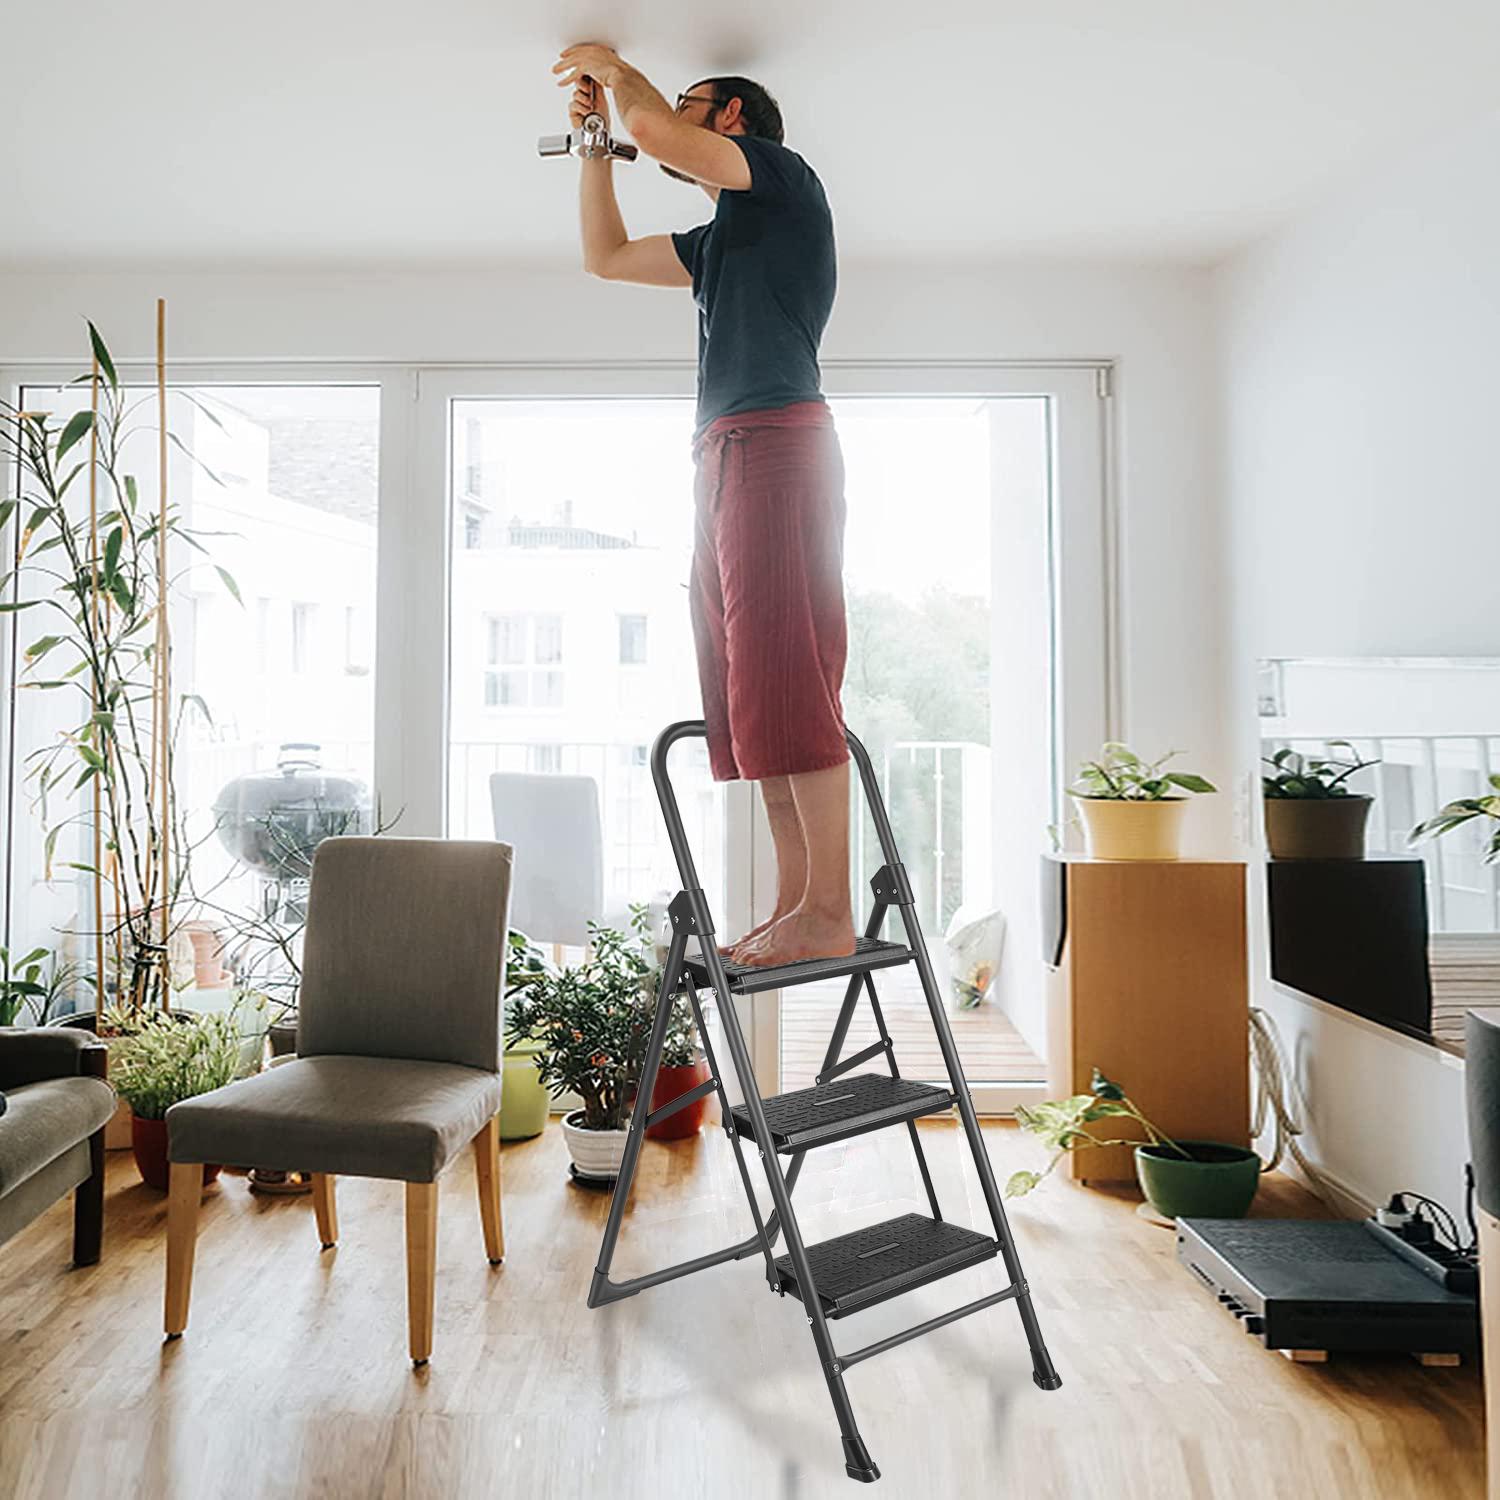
(1278,1098)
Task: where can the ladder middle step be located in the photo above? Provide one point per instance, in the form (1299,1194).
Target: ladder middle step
(859,1269)
(846,1107)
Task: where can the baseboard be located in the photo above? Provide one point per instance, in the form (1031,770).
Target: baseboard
(1347,1202)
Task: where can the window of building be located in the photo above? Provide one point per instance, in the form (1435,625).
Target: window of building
(304,630)
(522,655)
(632,640)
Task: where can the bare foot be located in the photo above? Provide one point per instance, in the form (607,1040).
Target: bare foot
(728,950)
(800,935)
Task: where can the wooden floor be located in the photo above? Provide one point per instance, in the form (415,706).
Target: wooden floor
(992,1050)
(293,1380)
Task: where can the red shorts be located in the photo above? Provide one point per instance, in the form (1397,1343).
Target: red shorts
(767,591)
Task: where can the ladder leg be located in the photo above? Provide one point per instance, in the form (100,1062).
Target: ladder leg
(671,974)
(734,1135)
(857,1461)
(1042,1371)
(892,886)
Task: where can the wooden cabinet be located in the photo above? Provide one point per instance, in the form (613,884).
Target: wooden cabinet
(1151,986)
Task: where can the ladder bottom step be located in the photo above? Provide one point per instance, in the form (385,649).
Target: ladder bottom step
(866,1266)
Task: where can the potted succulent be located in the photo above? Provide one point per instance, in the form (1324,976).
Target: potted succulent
(590,1024)
(1455,814)
(1132,808)
(1191,1179)
(165,1058)
(1310,811)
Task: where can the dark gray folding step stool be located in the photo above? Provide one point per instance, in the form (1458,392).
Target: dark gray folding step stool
(850,1272)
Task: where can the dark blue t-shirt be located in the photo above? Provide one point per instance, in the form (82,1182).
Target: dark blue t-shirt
(763,278)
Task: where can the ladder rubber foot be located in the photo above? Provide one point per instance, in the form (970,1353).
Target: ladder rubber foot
(1046,1382)
(857,1462)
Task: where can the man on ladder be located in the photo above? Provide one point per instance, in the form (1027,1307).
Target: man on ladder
(768,618)
(766,593)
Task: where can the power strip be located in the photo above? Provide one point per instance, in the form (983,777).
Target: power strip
(1451,1269)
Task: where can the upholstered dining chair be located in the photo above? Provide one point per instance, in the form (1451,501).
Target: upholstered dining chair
(398,1054)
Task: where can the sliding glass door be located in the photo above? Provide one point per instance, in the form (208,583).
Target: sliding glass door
(566,511)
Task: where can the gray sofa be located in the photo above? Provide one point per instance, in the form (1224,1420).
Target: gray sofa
(52,1131)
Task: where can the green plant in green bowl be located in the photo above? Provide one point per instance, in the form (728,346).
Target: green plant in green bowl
(1062,1126)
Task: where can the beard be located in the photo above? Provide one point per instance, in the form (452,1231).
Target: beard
(680,176)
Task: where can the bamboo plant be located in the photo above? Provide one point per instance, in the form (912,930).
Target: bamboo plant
(95,580)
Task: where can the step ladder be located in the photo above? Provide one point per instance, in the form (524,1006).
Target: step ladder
(852,1271)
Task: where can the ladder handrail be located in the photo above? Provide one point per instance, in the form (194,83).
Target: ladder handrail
(677,833)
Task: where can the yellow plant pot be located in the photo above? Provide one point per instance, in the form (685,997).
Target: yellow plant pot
(1118,829)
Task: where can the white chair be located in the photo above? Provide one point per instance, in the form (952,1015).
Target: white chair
(553,822)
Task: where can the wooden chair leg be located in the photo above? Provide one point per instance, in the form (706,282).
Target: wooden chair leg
(487,1172)
(185,1190)
(421,1265)
(325,1209)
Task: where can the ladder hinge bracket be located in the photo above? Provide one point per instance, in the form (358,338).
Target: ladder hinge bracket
(689,913)
(891,886)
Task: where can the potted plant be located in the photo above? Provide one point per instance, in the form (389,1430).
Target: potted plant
(590,1023)
(32,985)
(1132,808)
(523,1095)
(683,1067)
(166,1058)
(1310,811)
(97,578)
(1455,814)
(1191,1179)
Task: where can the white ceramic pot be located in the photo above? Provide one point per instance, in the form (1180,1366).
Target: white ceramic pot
(1125,829)
(595,1153)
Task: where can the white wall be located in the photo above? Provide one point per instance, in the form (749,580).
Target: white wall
(1358,358)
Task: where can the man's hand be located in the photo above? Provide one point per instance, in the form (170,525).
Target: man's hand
(588,99)
(588,59)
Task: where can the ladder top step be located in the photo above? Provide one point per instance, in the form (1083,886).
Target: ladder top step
(846,1107)
(747,979)
(857,1270)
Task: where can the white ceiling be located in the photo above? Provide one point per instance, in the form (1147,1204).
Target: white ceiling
(365,132)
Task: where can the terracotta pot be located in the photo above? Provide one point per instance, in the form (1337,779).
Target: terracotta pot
(148,1140)
(1317,827)
(670,1082)
(208,954)
(1120,828)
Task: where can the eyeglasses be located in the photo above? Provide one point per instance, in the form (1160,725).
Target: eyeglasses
(695,99)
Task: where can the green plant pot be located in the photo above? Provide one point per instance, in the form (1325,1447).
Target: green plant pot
(1218,1183)
(523,1100)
